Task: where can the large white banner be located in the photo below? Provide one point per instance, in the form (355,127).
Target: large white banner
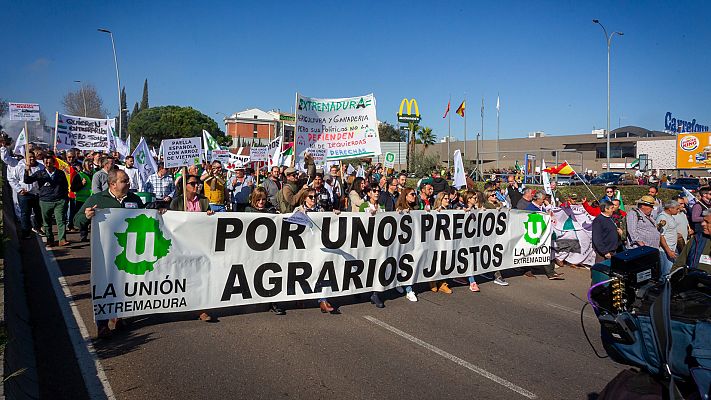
(345,128)
(83,133)
(143,262)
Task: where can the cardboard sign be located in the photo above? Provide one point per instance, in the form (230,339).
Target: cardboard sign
(24,111)
(258,154)
(182,152)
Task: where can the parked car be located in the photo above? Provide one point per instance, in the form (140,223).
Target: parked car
(614,179)
(569,180)
(691,184)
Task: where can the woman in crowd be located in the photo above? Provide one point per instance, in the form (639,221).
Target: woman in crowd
(492,202)
(356,194)
(371,206)
(441,203)
(474,201)
(406,202)
(195,203)
(309,204)
(258,203)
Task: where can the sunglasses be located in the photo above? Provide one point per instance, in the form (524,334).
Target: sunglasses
(192,183)
(311,197)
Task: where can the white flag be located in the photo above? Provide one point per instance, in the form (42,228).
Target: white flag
(144,161)
(153,152)
(275,151)
(350,169)
(361,172)
(122,147)
(460,179)
(546,181)
(497,105)
(20,143)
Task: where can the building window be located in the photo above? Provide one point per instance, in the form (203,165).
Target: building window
(617,150)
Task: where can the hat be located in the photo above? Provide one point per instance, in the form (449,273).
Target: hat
(290,170)
(681,195)
(646,200)
(573,196)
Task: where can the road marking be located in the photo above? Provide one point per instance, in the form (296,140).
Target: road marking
(97,384)
(486,374)
(570,310)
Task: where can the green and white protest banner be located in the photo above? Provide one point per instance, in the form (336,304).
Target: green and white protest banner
(345,128)
(389,160)
(83,133)
(209,144)
(144,262)
(182,152)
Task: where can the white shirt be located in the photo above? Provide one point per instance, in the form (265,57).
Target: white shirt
(16,177)
(134,177)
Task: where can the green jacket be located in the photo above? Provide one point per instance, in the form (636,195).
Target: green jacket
(105,200)
(178,204)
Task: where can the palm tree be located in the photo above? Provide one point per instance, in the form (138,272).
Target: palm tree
(426,136)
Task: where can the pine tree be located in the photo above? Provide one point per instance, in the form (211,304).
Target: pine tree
(144,100)
(135,110)
(124,114)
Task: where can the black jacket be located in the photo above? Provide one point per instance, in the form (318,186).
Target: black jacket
(604,235)
(439,185)
(388,200)
(51,188)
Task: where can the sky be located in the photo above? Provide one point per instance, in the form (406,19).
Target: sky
(546,60)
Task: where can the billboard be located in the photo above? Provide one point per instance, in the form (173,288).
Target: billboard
(693,150)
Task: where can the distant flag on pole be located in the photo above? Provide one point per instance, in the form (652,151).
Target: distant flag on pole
(447,110)
(461,108)
(562,169)
(497,105)
(482,107)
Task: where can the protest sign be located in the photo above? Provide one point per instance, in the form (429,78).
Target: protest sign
(258,154)
(319,156)
(144,262)
(83,133)
(236,161)
(182,152)
(346,128)
(24,111)
(222,156)
(389,160)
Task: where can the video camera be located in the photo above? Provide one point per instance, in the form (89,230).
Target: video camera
(641,313)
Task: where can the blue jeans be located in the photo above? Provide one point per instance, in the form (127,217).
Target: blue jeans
(217,208)
(29,203)
(665,262)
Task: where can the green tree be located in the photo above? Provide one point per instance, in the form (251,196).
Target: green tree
(171,122)
(144,99)
(426,136)
(389,133)
(135,111)
(124,114)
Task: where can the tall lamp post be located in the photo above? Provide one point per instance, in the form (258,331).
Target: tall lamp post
(83,96)
(118,80)
(608,38)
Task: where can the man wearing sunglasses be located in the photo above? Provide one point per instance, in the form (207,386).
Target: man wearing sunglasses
(609,194)
(388,198)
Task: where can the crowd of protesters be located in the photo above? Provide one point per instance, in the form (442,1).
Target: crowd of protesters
(69,197)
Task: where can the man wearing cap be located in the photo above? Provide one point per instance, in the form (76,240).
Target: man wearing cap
(290,193)
(641,228)
(241,187)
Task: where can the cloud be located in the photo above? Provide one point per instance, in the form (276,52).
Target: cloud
(39,64)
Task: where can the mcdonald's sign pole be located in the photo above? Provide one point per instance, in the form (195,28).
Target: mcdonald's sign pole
(411,118)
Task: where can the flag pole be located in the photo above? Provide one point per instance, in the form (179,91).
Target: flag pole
(465,126)
(296,127)
(581,179)
(480,154)
(449,133)
(498,125)
(56,124)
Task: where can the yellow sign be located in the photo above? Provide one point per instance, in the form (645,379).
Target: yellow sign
(693,150)
(409,117)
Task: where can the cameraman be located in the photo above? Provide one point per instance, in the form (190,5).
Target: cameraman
(697,252)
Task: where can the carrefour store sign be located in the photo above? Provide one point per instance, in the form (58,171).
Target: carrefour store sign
(677,125)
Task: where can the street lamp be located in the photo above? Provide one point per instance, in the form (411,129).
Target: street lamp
(118,80)
(608,38)
(83,96)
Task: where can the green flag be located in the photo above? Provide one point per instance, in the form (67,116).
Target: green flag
(618,196)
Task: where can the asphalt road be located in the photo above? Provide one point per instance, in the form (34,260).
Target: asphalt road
(521,341)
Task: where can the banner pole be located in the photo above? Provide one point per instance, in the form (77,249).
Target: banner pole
(27,143)
(56,123)
(258,168)
(185,194)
